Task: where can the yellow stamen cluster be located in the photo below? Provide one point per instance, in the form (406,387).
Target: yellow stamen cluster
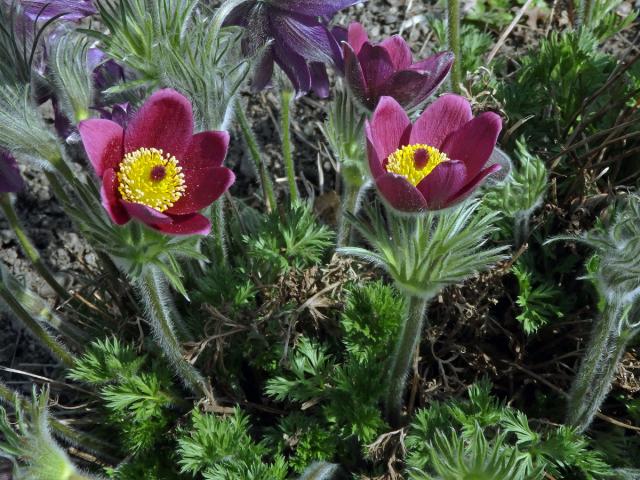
(415,162)
(150,177)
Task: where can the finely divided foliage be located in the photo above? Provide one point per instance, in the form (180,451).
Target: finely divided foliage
(306,258)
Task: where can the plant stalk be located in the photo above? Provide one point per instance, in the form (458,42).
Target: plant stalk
(595,375)
(349,204)
(400,361)
(254,153)
(285,127)
(28,248)
(453,36)
(219,233)
(153,290)
(37,330)
(584,14)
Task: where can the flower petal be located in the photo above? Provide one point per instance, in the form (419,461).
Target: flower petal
(409,88)
(443,183)
(319,79)
(375,162)
(474,142)
(294,66)
(103,141)
(400,194)
(435,63)
(376,65)
(357,36)
(444,116)
(44,10)
(314,8)
(10,179)
(194,224)
(111,198)
(206,149)
(239,15)
(147,215)
(304,35)
(165,122)
(473,184)
(263,71)
(355,77)
(204,186)
(399,52)
(389,128)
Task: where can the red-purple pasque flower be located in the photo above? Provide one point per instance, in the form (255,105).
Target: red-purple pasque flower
(10,179)
(434,163)
(387,69)
(156,170)
(293,34)
(47,9)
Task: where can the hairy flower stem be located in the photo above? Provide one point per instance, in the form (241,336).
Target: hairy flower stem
(153,291)
(593,381)
(37,330)
(400,361)
(349,204)
(254,153)
(219,233)
(453,35)
(286,97)
(584,13)
(28,248)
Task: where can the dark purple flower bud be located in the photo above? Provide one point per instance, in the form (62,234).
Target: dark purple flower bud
(388,70)
(294,35)
(47,9)
(105,72)
(10,179)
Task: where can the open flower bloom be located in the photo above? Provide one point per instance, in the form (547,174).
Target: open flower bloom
(10,179)
(374,71)
(292,34)
(47,9)
(434,163)
(156,170)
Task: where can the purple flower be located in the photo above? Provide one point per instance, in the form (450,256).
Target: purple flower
(387,69)
(434,163)
(47,9)
(293,34)
(156,170)
(10,179)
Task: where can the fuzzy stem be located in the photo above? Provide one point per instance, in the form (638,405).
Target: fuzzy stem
(29,249)
(286,97)
(349,204)
(400,361)
(219,233)
(35,328)
(584,13)
(593,381)
(152,289)
(254,153)
(59,429)
(453,35)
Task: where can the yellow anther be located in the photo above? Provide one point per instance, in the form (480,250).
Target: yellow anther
(415,162)
(149,177)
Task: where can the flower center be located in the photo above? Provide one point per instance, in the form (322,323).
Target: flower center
(415,162)
(150,177)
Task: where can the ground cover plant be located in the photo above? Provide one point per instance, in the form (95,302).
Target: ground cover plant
(319,239)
